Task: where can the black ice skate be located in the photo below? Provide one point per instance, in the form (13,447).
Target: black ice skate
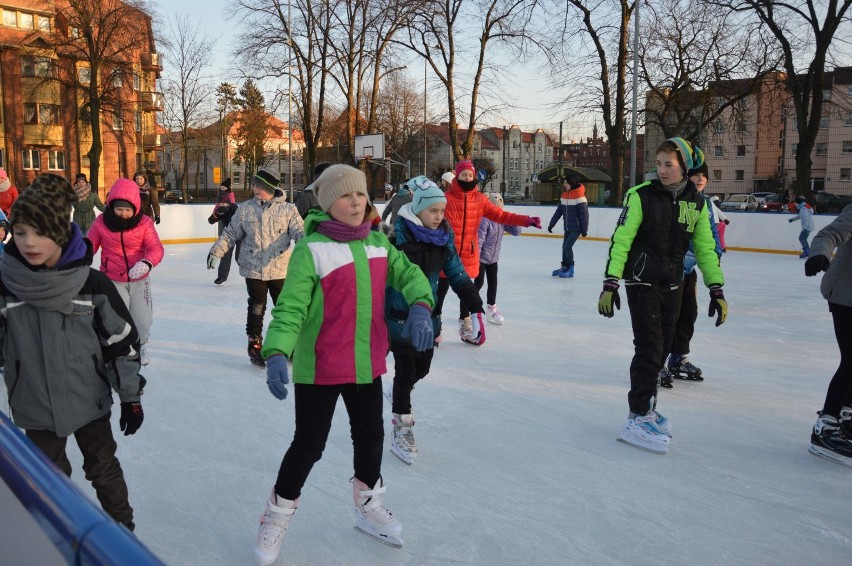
(254,345)
(683,369)
(828,441)
(665,378)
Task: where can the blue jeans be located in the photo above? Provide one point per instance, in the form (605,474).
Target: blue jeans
(568,248)
(803,239)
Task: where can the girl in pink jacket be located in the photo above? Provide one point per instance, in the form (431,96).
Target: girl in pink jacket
(130,248)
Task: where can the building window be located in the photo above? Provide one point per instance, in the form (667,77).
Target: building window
(2,157)
(44,23)
(31,159)
(740,151)
(822,149)
(56,160)
(27,21)
(794,148)
(32,66)
(717,174)
(846,174)
(718,127)
(237,180)
(823,123)
(742,127)
(117,81)
(137,118)
(117,120)
(84,75)
(717,151)
(739,175)
(10,18)
(30,113)
(86,162)
(137,82)
(826,94)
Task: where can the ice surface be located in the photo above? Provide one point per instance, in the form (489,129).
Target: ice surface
(518,460)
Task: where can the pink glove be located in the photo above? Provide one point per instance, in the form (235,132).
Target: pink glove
(534,222)
(140,270)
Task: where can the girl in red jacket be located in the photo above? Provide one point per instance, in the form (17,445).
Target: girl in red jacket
(131,248)
(466,207)
(8,192)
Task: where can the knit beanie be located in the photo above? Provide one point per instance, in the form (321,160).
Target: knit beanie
(448,177)
(699,170)
(425,195)
(226,183)
(690,157)
(81,177)
(121,203)
(46,206)
(265,180)
(339,180)
(463,165)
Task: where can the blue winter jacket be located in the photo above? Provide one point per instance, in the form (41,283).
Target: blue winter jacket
(491,238)
(573,208)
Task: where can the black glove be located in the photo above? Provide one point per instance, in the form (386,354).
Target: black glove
(156,220)
(726,221)
(131,417)
(815,264)
(718,304)
(550,229)
(584,234)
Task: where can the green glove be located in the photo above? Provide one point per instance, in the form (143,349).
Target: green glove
(718,304)
(609,297)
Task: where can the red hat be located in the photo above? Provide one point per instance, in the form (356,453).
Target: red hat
(463,165)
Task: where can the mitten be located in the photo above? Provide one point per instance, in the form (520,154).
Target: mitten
(156,220)
(534,222)
(550,229)
(140,270)
(213,219)
(583,234)
(276,376)
(132,416)
(726,221)
(793,219)
(477,333)
(419,327)
(609,298)
(718,304)
(815,264)
(212,261)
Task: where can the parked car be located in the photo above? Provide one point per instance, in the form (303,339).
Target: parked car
(770,203)
(828,202)
(747,203)
(175,196)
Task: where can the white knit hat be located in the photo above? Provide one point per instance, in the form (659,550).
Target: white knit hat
(339,180)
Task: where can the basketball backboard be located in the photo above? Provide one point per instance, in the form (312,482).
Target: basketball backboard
(370,146)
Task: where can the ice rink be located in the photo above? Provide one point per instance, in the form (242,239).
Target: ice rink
(518,460)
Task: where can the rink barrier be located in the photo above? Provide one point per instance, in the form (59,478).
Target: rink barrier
(47,519)
(764,232)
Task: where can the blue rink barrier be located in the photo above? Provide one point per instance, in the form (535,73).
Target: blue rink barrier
(54,510)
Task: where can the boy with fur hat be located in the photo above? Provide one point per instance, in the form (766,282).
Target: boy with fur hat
(86,203)
(427,240)
(466,207)
(490,242)
(69,340)
(130,248)
(330,323)
(150,201)
(8,192)
(660,218)
(226,207)
(264,227)
(573,209)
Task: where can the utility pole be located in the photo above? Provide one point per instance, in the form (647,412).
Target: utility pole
(633,119)
(290,97)
(505,161)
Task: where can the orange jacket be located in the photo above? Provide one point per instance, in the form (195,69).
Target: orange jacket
(464,213)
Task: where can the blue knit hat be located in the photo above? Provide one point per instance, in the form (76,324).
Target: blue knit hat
(690,157)
(425,194)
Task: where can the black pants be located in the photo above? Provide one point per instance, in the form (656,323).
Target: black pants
(443,287)
(100,464)
(488,271)
(225,262)
(839,392)
(686,316)
(652,315)
(257,291)
(410,366)
(314,411)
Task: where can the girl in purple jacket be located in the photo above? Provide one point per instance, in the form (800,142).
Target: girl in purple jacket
(490,240)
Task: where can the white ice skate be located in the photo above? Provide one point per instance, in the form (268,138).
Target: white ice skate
(403,444)
(494,316)
(273,526)
(371,517)
(642,432)
(144,358)
(664,424)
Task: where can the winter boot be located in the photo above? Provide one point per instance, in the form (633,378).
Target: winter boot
(828,441)
(665,378)
(273,526)
(568,273)
(494,316)
(642,431)
(371,517)
(680,368)
(254,345)
(403,444)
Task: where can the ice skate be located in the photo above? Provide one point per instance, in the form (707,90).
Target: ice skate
(476,333)
(845,419)
(683,369)
(664,424)
(403,444)
(219,282)
(828,441)
(665,378)
(254,345)
(558,272)
(641,431)
(494,316)
(371,517)
(567,273)
(144,358)
(273,526)
(465,327)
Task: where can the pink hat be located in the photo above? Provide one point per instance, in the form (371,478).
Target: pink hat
(463,165)
(3,175)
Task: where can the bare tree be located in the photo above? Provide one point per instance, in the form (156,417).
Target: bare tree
(188,90)
(804,29)
(399,111)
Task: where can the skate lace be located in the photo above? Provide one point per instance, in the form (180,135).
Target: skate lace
(374,510)
(687,365)
(405,436)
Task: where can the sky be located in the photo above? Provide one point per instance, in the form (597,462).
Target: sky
(518,460)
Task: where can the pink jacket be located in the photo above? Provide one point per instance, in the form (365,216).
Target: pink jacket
(123,249)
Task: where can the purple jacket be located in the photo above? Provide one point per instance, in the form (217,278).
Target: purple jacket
(490,239)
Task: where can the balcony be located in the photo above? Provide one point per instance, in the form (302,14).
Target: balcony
(152,141)
(153,101)
(151,62)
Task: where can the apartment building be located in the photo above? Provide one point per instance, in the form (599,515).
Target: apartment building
(43,125)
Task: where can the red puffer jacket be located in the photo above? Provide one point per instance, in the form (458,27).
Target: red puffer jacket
(122,250)
(464,213)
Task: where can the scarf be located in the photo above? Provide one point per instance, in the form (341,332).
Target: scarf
(50,290)
(116,224)
(84,192)
(466,185)
(340,232)
(676,188)
(437,237)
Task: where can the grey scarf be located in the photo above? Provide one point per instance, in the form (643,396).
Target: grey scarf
(44,289)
